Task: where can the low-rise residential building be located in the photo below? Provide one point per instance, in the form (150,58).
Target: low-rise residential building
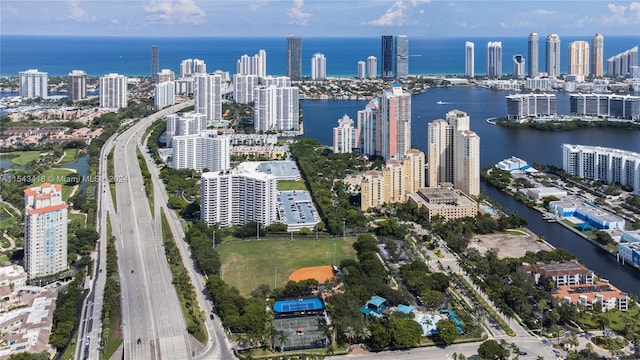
(562,273)
(601,292)
(446,202)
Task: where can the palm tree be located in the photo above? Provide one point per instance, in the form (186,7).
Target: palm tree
(350,333)
(282,338)
(364,334)
(574,341)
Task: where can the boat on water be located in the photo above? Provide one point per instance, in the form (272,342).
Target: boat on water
(440,102)
(492,120)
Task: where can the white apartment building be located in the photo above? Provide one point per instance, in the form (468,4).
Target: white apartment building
(207,92)
(278,81)
(254,65)
(494,59)
(344,136)
(362,69)
(45,231)
(523,106)
(368,138)
(33,84)
(318,67)
(164,94)
(243,86)
(518,63)
(206,150)
(276,108)
(604,164)
(469,59)
(113,91)
(238,197)
(189,123)
(372,67)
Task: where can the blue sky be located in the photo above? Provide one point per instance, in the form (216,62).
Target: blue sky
(317,18)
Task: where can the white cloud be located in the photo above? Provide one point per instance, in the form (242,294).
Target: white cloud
(174,11)
(542,12)
(623,15)
(77,13)
(399,13)
(296,15)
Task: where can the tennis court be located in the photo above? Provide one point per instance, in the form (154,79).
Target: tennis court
(299,305)
(303,332)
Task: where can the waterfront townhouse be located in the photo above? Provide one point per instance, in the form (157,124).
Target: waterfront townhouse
(601,292)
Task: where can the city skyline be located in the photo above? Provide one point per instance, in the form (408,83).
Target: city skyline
(415,18)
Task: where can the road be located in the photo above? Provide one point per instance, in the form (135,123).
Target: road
(218,346)
(153,324)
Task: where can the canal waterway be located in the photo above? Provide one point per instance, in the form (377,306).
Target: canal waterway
(497,143)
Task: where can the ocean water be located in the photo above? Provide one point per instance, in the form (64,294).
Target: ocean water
(58,55)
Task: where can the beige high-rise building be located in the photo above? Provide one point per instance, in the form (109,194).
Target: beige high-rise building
(396,180)
(467,162)
(597,55)
(579,58)
(45,231)
(453,153)
(413,170)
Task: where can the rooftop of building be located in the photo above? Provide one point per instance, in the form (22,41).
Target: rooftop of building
(442,197)
(564,268)
(590,292)
(587,208)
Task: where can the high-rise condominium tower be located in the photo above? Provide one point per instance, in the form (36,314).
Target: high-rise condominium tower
(113,91)
(362,69)
(494,59)
(395,122)
(532,70)
(318,67)
(386,58)
(155,61)
(402,56)
(294,57)
(207,92)
(45,230)
(518,66)
(372,67)
(255,199)
(33,83)
(553,55)
(454,153)
(469,59)
(578,58)
(77,85)
(597,55)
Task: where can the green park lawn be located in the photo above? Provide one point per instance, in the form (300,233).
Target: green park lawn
(70,155)
(80,219)
(248,264)
(23,157)
(289,185)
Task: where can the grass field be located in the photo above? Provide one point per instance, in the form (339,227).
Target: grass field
(70,155)
(9,219)
(288,185)
(248,264)
(23,157)
(78,218)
